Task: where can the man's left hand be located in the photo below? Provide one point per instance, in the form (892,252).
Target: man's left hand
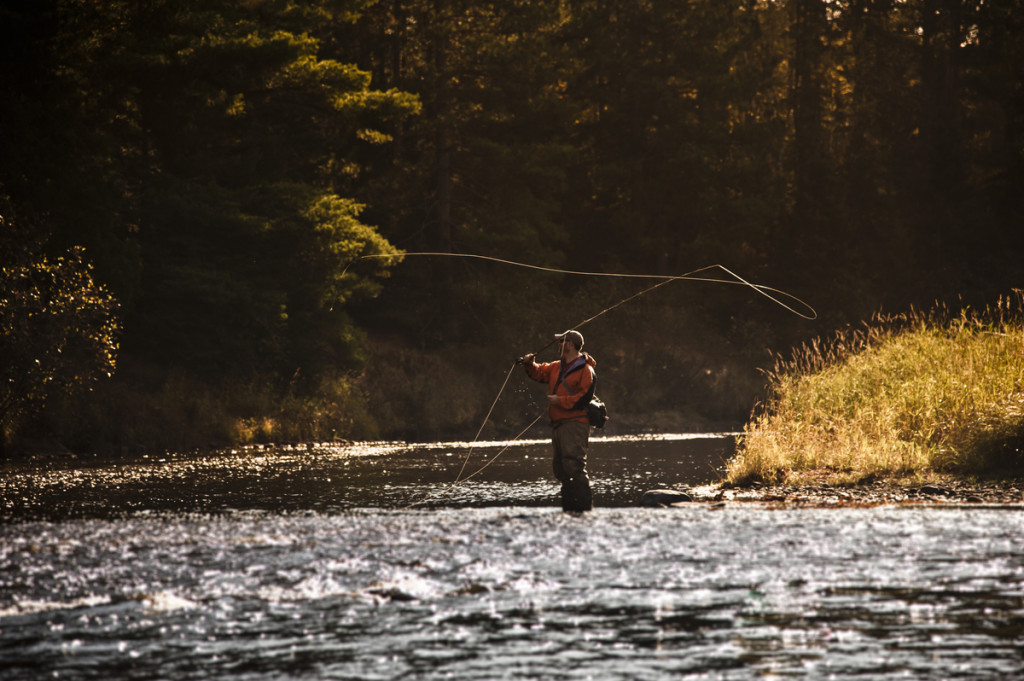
(553,399)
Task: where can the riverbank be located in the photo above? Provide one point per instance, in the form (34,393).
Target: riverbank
(946,491)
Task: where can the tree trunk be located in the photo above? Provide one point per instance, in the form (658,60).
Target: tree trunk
(941,38)
(443,136)
(809,26)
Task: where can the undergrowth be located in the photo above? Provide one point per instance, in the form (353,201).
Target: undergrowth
(145,409)
(905,396)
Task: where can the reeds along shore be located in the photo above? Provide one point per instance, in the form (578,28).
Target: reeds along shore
(905,397)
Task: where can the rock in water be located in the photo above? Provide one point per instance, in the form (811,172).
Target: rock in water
(933,490)
(664,497)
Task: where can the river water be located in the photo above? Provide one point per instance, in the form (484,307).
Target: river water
(361,562)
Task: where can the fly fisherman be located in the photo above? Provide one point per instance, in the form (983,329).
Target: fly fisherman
(570,387)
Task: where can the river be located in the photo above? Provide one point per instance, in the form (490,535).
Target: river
(363,562)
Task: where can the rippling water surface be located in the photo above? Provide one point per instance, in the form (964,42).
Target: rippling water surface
(490,581)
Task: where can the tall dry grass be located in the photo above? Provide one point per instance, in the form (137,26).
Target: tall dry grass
(905,396)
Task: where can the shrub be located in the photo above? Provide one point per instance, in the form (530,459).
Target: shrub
(58,331)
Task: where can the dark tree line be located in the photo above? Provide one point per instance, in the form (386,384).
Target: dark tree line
(221,165)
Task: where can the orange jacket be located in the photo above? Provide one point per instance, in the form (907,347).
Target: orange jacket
(570,391)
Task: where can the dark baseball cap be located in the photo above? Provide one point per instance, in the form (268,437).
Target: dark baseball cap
(575,337)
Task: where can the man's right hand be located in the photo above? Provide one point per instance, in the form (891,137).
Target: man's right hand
(527,359)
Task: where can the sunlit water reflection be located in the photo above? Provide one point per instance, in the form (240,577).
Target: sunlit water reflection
(330,478)
(493,584)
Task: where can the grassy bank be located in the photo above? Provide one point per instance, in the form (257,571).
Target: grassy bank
(905,397)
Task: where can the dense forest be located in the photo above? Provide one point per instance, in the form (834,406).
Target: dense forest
(187,187)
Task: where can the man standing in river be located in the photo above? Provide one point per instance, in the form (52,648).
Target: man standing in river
(570,387)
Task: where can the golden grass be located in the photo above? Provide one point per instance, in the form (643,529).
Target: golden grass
(905,397)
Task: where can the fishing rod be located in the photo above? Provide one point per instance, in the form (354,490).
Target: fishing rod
(522,360)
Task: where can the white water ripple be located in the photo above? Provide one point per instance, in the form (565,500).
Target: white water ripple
(489,593)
